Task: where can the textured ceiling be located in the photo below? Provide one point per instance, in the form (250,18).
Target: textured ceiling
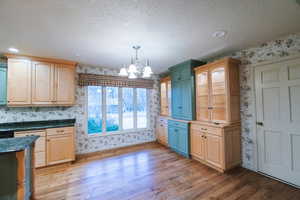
(101,32)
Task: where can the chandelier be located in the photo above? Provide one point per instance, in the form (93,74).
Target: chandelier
(136,68)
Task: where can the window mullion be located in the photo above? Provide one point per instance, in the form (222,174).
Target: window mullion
(120,101)
(104,108)
(148,107)
(134,108)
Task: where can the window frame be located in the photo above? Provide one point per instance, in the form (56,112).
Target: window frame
(120,107)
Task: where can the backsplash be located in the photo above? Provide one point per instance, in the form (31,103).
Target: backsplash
(85,143)
(267,51)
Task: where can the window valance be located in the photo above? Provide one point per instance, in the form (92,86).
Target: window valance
(115,81)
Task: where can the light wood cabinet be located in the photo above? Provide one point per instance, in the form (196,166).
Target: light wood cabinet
(218,146)
(162,130)
(54,146)
(65,82)
(34,81)
(18,82)
(218,92)
(40,145)
(60,145)
(43,83)
(165,96)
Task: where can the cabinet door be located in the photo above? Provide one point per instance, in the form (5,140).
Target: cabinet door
(42,83)
(186,95)
(60,148)
(19,82)
(65,85)
(182,140)
(3,86)
(214,150)
(163,98)
(202,95)
(173,137)
(218,94)
(176,100)
(197,144)
(169,93)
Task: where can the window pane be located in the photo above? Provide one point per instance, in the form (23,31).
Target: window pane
(112,109)
(127,94)
(141,108)
(94,109)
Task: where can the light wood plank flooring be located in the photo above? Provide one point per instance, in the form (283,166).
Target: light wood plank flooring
(152,171)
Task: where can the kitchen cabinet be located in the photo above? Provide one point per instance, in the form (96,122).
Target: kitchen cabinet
(178,136)
(54,146)
(218,91)
(183,102)
(18,82)
(165,96)
(44,82)
(162,130)
(60,145)
(65,84)
(40,145)
(218,146)
(3,85)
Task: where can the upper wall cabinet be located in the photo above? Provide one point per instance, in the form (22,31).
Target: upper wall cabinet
(18,82)
(217,91)
(182,77)
(3,78)
(165,96)
(34,81)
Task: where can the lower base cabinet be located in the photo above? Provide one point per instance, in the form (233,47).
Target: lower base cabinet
(162,130)
(54,146)
(218,146)
(178,137)
(60,145)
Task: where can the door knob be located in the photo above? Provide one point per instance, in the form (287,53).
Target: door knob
(259,123)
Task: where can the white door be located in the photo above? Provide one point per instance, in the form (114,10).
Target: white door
(278,120)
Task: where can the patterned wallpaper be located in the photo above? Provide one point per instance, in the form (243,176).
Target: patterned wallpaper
(281,47)
(85,143)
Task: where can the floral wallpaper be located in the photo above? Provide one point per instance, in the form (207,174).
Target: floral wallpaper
(282,47)
(85,143)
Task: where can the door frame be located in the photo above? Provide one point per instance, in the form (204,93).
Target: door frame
(275,60)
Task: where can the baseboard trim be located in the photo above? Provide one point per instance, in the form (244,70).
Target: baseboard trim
(114,151)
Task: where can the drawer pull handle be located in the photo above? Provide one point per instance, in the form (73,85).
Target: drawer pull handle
(205,129)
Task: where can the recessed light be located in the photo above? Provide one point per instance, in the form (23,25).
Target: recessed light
(13,50)
(219,34)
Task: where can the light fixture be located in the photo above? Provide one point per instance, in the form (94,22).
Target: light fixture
(219,34)
(13,50)
(136,68)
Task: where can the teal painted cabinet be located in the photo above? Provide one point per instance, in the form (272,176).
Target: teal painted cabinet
(183,90)
(3,85)
(178,137)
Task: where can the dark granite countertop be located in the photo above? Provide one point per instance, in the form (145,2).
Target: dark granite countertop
(36,125)
(16,144)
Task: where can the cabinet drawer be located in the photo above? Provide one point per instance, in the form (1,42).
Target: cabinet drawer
(60,131)
(40,159)
(28,133)
(207,129)
(178,124)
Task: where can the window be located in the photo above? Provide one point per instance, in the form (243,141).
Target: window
(113,109)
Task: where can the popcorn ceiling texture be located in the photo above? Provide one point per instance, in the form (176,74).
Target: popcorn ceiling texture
(282,47)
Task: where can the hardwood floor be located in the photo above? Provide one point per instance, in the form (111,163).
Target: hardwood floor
(152,171)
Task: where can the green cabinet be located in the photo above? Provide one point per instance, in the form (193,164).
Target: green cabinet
(178,137)
(183,90)
(3,85)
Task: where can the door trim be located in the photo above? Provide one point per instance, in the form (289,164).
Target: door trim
(254,110)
